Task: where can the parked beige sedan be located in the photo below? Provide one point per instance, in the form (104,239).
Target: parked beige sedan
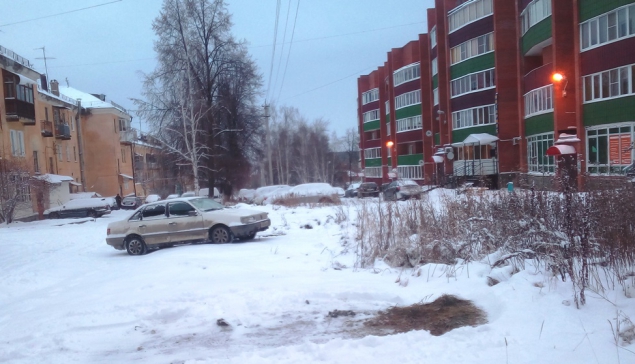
(190,219)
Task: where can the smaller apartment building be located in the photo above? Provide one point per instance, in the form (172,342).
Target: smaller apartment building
(474,98)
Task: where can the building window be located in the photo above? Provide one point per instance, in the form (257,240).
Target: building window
(407,124)
(123,125)
(411,172)
(433,37)
(539,101)
(407,99)
(17,143)
(473,82)
(68,154)
(468,13)
(472,48)
(537,158)
(435,97)
(371,115)
(388,128)
(372,172)
(608,27)
(19,184)
(610,148)
(536,11)
(370,96)
(58,151)
(406,74)
(36,162)
(435,66)
(387,105)
(481,115)
(372,153)
(608,84)
(74,154)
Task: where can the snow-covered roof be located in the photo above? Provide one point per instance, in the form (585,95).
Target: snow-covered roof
(61,97)
(54,178)
(125,176)
(478,139)
(88,101)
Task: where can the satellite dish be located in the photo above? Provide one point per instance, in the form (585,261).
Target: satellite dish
(428,133)
(450,155)
(421,162)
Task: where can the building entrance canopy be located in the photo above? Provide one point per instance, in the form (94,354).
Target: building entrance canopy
(477,139)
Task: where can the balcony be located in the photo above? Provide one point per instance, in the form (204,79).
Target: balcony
(21,111)
(47,128)
(62,131)
(127,136)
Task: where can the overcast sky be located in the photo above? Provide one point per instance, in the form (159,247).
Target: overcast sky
(105,47)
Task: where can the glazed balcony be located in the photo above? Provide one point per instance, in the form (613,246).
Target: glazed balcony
(127,136)
(62,131)
(47,128)
(21,111)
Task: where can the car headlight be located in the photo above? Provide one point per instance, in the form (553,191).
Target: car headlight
(247,219)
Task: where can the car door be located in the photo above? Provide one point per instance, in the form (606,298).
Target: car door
(153,225)
(182,225)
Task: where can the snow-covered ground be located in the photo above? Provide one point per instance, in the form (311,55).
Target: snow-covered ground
(67,297)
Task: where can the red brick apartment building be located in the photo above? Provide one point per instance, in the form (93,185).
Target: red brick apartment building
(475,98)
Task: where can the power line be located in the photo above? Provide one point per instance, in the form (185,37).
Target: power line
(66,12)
(284,74)
(101,63)
(284,38)
(330,83)
(273,52)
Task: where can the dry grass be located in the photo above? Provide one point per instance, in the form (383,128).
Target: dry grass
(444,314)
(295,201)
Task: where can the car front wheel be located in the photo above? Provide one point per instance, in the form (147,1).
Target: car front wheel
(136,246)
(220,235)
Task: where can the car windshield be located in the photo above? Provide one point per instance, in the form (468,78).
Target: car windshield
(206,204)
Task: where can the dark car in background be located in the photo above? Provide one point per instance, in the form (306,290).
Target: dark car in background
(131,202)
(402,189)
(351,191)
(368,189)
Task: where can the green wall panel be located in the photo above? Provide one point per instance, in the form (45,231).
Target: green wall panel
(375,162)
(371,125)
(408,111)
(409,160)
(460,135)
(608,112)
(592,8)
(536,34)
(482,62)
(435,81)
(539,124)
(437,138)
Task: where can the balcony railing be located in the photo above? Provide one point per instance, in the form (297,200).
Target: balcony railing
(62,131)
(477,167)
(47,128)
(17,110)
(16,57)
(127,136)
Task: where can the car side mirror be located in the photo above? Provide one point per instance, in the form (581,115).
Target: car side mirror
(192,213)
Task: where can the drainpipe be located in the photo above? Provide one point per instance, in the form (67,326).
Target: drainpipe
(80,144)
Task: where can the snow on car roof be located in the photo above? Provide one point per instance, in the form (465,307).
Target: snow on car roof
(308,189)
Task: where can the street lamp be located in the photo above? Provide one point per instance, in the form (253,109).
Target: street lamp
(558,78)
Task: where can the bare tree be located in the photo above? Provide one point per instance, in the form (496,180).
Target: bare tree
(15,188)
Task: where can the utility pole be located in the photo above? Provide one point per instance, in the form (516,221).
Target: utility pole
(268,143)
(80,143)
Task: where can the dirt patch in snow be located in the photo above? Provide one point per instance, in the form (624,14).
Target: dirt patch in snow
(444,314)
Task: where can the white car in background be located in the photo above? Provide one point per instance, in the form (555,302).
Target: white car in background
(265,194)
(152,198)
(81,207)
(309,193)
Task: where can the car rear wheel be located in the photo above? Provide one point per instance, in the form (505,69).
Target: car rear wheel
(220,235)
(136,246)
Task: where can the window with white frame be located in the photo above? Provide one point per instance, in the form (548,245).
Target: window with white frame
(387,105)
(608,27)
(608,84)
(433,37)
(411,123)
(372,172)
(58,151)
(472,48)
(370,96)
(537,158)
(609,148)
(473,82)
(539,101)
(469,12)
(406,74)
(68,154)
(372,153)
(371,115)
(475,116)
(388,128)
(407,99)
(17,143)
(19,186)
(411,172)
(435,96)
(435,66)
(536,11)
